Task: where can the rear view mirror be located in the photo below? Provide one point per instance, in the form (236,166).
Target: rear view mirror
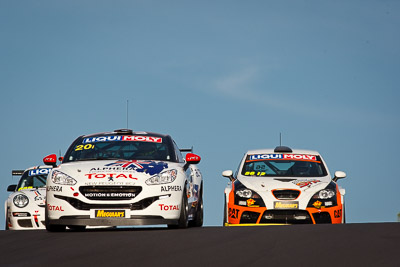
(11,188)
(228,174)
(339,175)
(192,158)
(50,160)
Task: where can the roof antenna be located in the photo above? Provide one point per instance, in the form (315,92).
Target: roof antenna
(280,139)
(127,107)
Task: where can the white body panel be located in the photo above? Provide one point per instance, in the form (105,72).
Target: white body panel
(165,206)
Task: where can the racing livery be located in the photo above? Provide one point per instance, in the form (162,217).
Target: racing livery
(283,186)
(24,208)
(124,178)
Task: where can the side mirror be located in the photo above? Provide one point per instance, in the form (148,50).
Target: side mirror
(11,188)
(339,175)
(50,160)
(228,174)
(191,159)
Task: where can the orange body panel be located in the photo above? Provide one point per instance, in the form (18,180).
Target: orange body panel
(235,211)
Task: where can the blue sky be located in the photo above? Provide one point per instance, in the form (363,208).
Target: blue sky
(222,76)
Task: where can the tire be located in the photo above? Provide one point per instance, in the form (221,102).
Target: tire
(7,220)
(199,214)
(225,221)
(183,218)
(52,227)
(77,228)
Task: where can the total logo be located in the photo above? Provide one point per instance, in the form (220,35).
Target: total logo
(168,207)
(57,208)
(110,176)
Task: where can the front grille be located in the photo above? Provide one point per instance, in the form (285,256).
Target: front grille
(110,192)
(286,217)
(322,217)
(27,223)
(286,194)
(80,205)
(249,217)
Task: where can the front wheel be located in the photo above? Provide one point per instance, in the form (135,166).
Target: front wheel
(7,220)
(183,218)
(225,213)
(52,227)
(199,214)
(77,228)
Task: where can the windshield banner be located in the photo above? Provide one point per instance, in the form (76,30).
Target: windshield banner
(282,156)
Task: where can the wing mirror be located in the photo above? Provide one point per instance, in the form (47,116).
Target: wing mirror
(228,174)
(191,159)
(11,188)
(339,175)
(50,160)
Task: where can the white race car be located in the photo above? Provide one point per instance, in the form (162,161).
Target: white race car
(24,208)
(124,178)
(283,186)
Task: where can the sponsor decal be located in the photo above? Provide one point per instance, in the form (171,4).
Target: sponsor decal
(84,147)
(109,213)
(337,213)
(26,187)
(304,183)
(250,202)
(286,205)
(57,208)
(54,188)
(233,213)
(38,172)
(110,195)
(317,204)
(282,156)
(170,188)
(149,167)
(168,207)
(110,176)
(111,138)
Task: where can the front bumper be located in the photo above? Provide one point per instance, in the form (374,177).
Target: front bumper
(63,208)
(261,215)
(24,220)
(133,220)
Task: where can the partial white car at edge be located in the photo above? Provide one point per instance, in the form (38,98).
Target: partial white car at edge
(25,206)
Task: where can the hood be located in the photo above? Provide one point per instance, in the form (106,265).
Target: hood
(109,172)
(264,184)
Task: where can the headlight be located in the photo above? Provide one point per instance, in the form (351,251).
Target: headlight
(247,197)
(61,178)
(20,201)
(163,178)
(325,194)
(324,198)
(244,193)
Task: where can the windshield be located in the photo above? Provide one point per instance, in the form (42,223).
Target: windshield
(33,179)
(283,165)
(128,147)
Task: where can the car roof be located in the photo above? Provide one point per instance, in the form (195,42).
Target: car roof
(272,151)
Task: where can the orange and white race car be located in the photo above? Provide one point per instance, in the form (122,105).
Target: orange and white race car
(283,186)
